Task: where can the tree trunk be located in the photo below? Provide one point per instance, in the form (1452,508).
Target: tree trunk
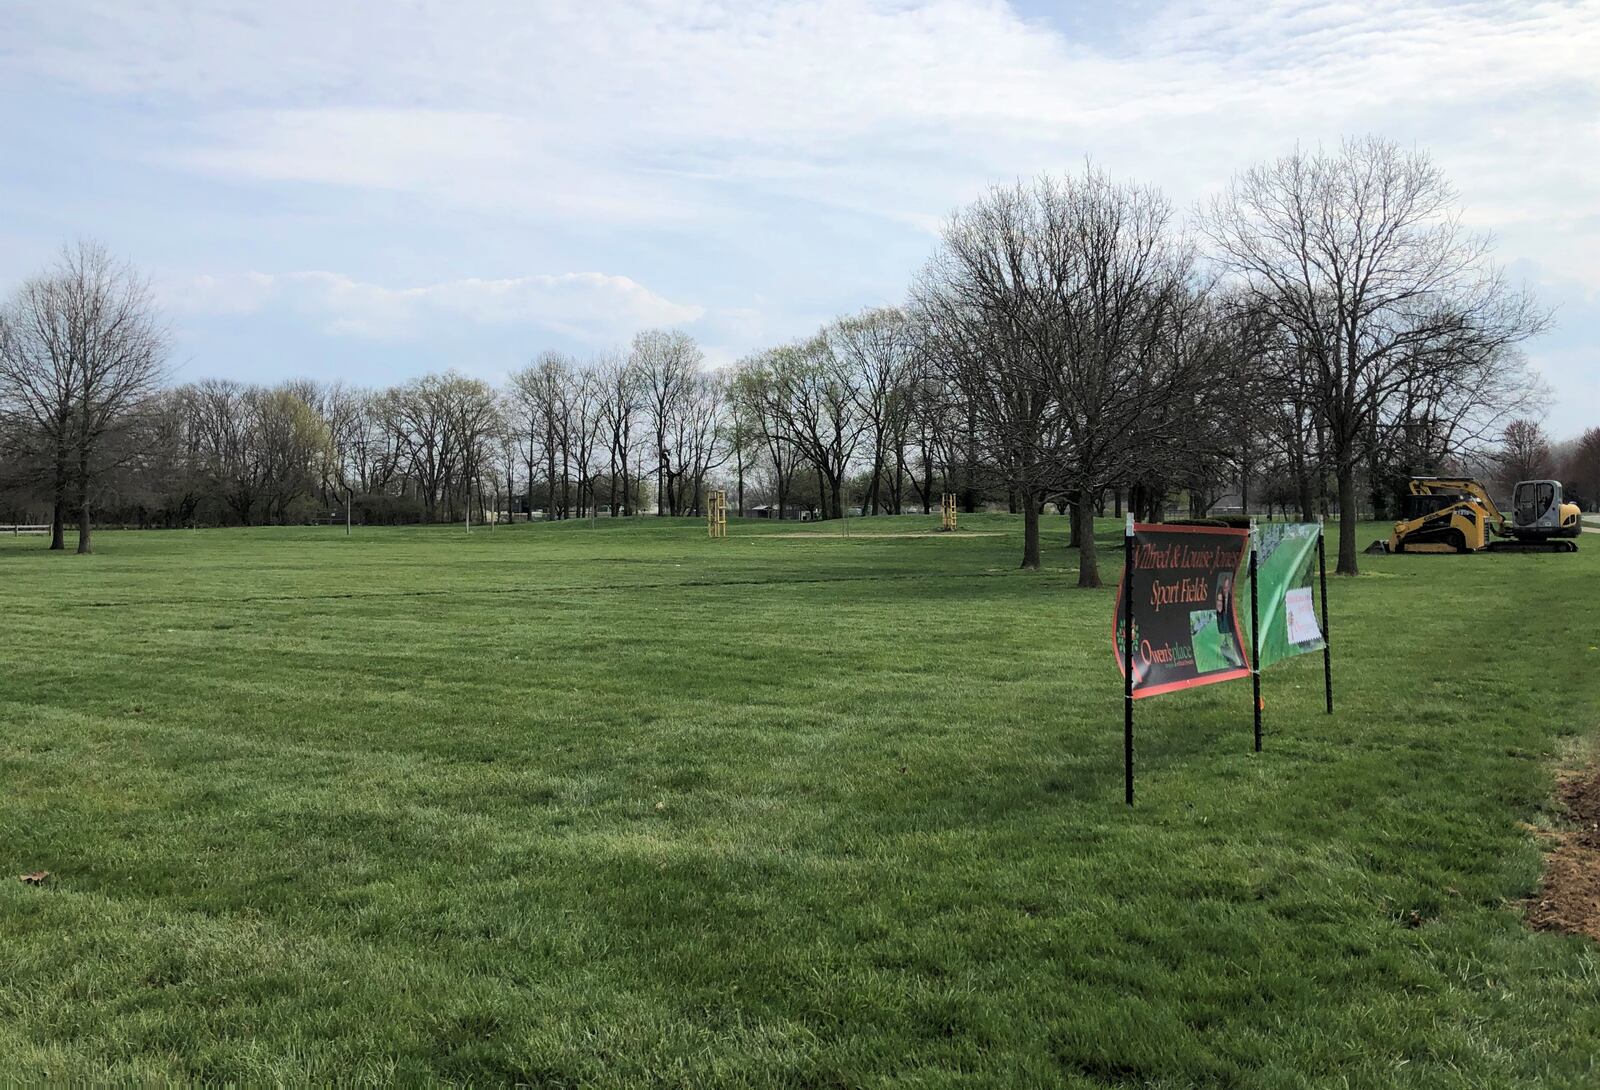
(1088,560)
(1347,520)
(58,524)
(1030,536)
(84,544)
(627,496)
(739,485)
(661,449)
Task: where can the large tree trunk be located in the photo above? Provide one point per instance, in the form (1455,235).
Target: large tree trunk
(661,446)
(897,490)
(58,524)
(84,544)
(1088,560)
(1030,536)
(1347,520)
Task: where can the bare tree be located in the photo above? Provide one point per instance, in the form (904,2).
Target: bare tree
(759,403)
(1123,339)
(619,391)
(1062,311)
(977,302)
(443,427)
(587,423)
(1581,468)
(81,350)
(878,358)
(1525,452)
(666,361)
(1360,256)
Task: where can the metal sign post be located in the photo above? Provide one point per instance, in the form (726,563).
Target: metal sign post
(1255,636)
(1127,660)
(1327,640)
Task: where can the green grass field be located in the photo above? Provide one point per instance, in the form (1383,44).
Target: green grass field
(622,806)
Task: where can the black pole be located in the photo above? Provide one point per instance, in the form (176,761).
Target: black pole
(1127,660)
(1327,649)
(1255,640)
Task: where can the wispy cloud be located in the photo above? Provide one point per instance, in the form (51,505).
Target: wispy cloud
(588,307)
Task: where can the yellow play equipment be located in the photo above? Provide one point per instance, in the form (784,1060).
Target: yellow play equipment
(1457,515)
(947,511)
(717,513)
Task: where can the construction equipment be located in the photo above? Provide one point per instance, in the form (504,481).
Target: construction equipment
(1457,515)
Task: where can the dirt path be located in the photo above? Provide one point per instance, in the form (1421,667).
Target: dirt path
(1569,898)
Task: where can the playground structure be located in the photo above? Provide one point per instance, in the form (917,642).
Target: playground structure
(717,514)
(947,511)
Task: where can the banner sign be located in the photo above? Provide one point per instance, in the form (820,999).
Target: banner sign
(1285,557)
(1186,629)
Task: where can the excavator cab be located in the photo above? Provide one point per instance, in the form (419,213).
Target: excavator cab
(1538,513)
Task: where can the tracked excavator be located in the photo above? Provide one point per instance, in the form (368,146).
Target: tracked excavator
(1457,515)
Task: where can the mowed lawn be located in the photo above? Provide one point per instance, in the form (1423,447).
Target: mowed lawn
(621,806)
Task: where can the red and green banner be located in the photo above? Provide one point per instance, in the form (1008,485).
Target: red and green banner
(1179,585)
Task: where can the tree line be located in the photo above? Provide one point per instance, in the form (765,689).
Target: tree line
(1305,341)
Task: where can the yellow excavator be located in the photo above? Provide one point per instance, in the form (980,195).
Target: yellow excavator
(1457,515)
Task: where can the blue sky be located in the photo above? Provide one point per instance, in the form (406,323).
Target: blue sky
(372,190)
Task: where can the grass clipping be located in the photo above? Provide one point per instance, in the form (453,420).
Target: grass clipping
(1569,898)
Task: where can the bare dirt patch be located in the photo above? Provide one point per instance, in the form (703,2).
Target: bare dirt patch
(916,533)
(1569,897)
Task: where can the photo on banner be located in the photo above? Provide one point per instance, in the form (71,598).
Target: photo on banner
(1186,629)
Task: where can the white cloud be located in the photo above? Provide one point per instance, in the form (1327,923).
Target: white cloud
(588,307)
